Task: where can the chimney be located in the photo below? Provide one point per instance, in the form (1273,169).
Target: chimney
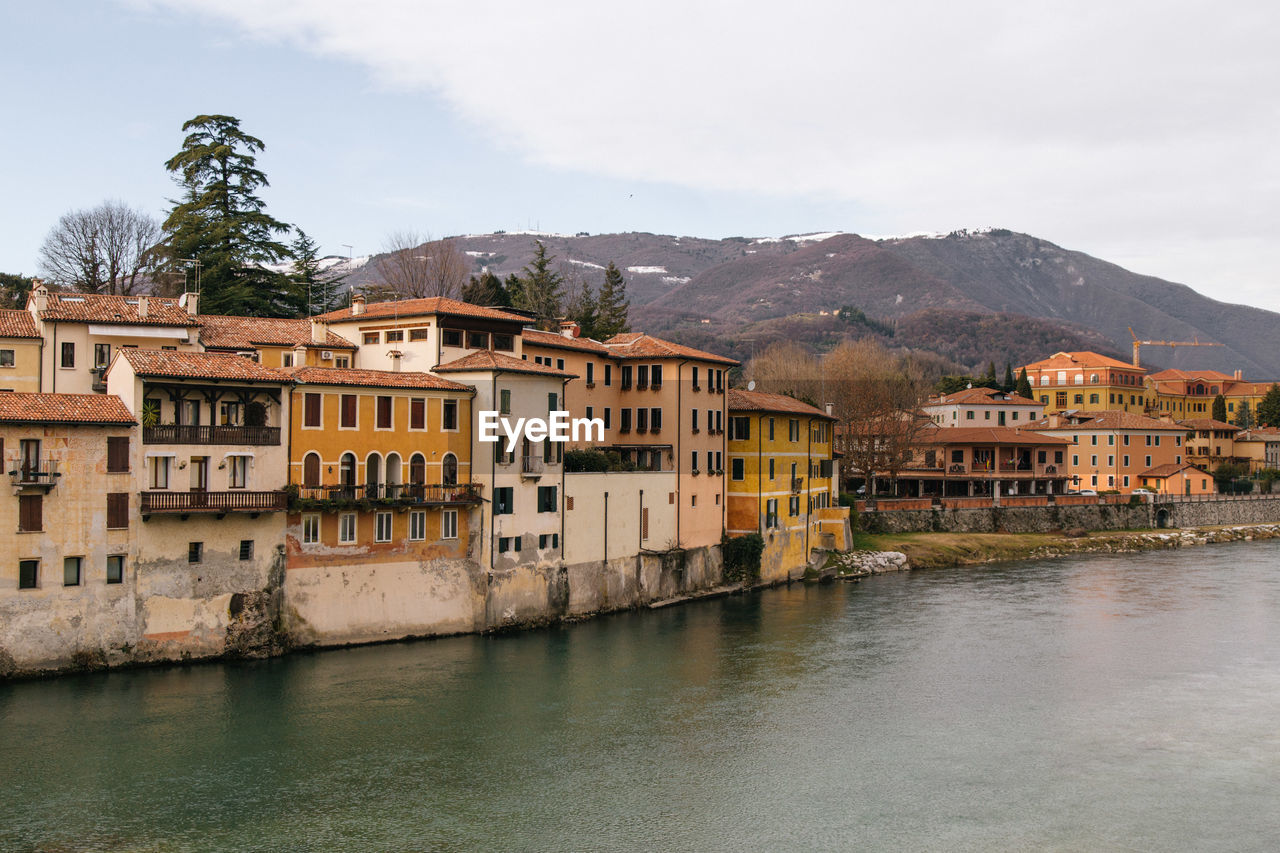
(831,407)
(570,329)
(1239,375)
(1055,420)
(190,301)
(40,294)
(395,359)
(319,331)
(142,307)
(357,304)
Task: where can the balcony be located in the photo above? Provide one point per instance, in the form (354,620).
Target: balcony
(392,494)
(797,483)
(186,434)
(37,474)
(531,466)
(215,502)
(99,382)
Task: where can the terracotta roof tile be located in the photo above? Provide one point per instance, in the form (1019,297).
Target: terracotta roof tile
(1169,469)
(1110,419)
(1207,423)
(983,396)
(225,332)
(372,378)
(421,308)
(640,345)
(64,409)
(198,365)
(990,435)
(556,341)
(489,360)
(1081,360)
(760,401)
(125,310)
(17,323)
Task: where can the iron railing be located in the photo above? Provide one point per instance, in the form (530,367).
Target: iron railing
(406,494)
(38,472)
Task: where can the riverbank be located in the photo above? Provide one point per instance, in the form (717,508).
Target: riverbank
(876,553)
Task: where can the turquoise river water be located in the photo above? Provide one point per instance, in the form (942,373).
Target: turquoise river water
(1094,703)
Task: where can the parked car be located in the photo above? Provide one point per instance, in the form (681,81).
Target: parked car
(1142,492)
(1093,492)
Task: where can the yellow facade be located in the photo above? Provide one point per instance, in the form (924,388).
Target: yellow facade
(782,480)
(20,364)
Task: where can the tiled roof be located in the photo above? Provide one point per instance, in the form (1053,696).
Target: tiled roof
(551,339)
(489,360)
(17,323)
(1169,469)
(422,308)
(759,401)
(64,409)
(124,310)
(372,378)
(982,396)
(1174,373)
(1112,419)
(990,435)
(173,364)
(1207,423)
(222,332)
(1081,360)
(1259,434)
(640,345)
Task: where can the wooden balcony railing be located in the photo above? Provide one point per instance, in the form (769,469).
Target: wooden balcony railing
(230,501)
(205,434)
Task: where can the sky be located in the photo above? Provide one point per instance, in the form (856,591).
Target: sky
(1144,133)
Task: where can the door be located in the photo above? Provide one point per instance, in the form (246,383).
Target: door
(1000,418)
(29,449)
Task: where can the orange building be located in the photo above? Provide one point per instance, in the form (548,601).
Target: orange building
(1087,381)
(1177,479)
(1111,450)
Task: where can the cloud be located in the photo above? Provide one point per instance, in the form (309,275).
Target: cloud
(1104,125)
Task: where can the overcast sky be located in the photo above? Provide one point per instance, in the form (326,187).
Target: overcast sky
(1147,134)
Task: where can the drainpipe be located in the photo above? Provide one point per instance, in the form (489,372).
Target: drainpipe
(759,471)
(493,463)
(53,368)
(605,560)
(679,446)
(808,491)
(564,402)
(639,529)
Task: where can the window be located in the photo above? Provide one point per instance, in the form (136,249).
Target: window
(449,524)
(118,454)
(793,430)
(549,540)
(608,374)
(1125,461)
(419,334)
(28,574)
(546,498)
(348,411)
(642,376)
(719,422)
(642,420)
(694,462)
(694,375)
(655,374)
(771,513)
(286,360)
(504,343)
(626,376)
(311,528)
(591,373)
(478,340)
(382,527)
(559,364)
(1078,399)
(720,381)
(504,402)
(655,419)
(449,415)
(342,361)
(552,401)
(237,472)
(71,571)
(370,337)
(771,429)
(117,510)
(418,525)
(382,419)
(772,473)
(693,500)
(68,354)
(195,550)
(503,500)
(1148,461)
(311,410)
(395,337)
(30,513)
(115,568)
(6,358)
(101,355)
(739,429)
(737,469)
(505,544)
(246,549)
(793,506)
(452,337)
(347,527)
(625,423)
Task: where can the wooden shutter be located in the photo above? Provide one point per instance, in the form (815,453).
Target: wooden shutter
(30,512)
(311,410)
(417,413)
(118,454)
(117,510)
(348,410)
(384,413)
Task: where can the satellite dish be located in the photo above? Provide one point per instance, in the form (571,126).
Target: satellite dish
(751,386)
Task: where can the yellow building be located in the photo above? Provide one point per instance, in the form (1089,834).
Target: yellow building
(1189,394)
(782,480)
(1086,381)
(20,347)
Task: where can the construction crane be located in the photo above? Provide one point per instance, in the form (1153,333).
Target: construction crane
(1138,345)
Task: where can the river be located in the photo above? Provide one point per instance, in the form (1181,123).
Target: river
(1097,702)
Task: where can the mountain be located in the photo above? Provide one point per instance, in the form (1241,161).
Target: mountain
(971,296)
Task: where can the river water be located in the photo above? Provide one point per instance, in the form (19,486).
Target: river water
(1107,702)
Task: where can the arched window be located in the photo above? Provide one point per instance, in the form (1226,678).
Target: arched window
(393,469)
(417,469)
(311,470)
(347,469)
(449,470)
(1093,379)
(373,470)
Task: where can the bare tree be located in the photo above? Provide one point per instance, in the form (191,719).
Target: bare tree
(107,249)
(788,368)
(413,265)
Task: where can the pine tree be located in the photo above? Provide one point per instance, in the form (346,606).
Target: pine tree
(1219,412)
(322,292)
(221,222)
(1008,384)
(1269,408)
(584,310)
(1023,388)
(612,305)
(486,289)
(540,289)
(1244,415)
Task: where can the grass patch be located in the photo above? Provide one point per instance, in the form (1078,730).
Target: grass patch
(935,550)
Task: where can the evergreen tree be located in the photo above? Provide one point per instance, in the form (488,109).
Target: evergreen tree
(1023,388)
(612,305)
(486,289)
(1219,412)
(1008,384)
(540,289)
(322,292)
(583,309)
(221,222)
(1244,415)
(1269,408)
(14,289)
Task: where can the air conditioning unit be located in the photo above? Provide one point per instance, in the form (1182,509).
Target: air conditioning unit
(326,355)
